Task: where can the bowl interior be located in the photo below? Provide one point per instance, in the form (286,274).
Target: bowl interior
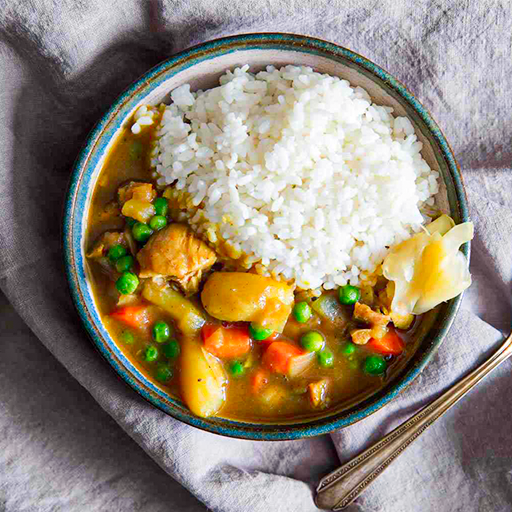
(202,67)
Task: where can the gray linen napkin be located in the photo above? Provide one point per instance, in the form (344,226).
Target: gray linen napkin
(62,64)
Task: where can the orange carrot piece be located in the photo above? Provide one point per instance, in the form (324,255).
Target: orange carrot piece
(208,330)
(391,344)
(226,342)
(134,316)
(278,356)
(258,380)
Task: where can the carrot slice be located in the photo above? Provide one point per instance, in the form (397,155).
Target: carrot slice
(277,357)
(134,316)
(226,342)
(258,380)
(208,330)
(391,344)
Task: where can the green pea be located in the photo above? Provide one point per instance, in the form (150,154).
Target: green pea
(349,294)
(161,206)
(124,263)
(348,349)
(326,358)
(312,341)
(161,332)
(131,222)
(375,365)
(150,354)
(237,369)
(141,232)
(171,349)
(157,222)
(116,252)
(259,333)
(302,312)
(127,283)
(127,337)
(163,373)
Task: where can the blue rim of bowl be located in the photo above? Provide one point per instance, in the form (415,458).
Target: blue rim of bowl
(74,219)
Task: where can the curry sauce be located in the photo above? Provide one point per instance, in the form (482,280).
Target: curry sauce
(218,332)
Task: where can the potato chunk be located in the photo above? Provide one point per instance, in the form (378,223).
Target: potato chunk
(136,190)
(244,297)
(361,336)
(139,210)
(203,380)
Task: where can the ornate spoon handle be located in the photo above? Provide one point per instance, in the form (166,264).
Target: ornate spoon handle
(340,488)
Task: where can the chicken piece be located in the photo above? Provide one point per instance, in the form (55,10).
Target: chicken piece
(377,321)
(136,190)
(317,392)
(365,314)
(176,254)
(361,336)
(105,242)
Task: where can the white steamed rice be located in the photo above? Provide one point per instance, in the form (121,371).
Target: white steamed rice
(297,169)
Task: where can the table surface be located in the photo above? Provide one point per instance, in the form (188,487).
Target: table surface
(67,434)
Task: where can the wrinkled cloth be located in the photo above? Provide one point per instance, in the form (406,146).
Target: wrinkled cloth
(61,66)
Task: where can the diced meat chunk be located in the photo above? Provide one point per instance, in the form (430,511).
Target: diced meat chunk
(105,242)
(377,321)
(361,336)
(175,253)
(136,190)
(317,392)
(365,314)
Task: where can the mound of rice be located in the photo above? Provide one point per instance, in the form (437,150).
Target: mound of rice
(299,170)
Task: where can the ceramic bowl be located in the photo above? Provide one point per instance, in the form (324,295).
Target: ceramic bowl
(201,66)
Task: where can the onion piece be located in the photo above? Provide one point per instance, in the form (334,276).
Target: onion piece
(328,307)
(299,364)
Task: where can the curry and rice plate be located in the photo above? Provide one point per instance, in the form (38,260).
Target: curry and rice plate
(278,239)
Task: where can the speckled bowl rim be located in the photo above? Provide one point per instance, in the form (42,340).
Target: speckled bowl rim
(74,217)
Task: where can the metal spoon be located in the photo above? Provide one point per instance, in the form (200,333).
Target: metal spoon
(340,488)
